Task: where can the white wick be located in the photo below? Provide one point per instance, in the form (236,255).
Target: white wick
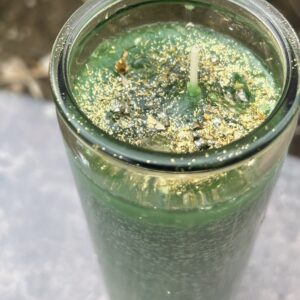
(194,66)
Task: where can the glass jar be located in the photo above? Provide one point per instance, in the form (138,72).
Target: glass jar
(165,225)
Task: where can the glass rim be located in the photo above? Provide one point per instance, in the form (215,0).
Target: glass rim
(228,155)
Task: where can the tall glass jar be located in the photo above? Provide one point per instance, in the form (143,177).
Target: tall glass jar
(178,226)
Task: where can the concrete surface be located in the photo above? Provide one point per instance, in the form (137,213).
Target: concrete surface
(45,249)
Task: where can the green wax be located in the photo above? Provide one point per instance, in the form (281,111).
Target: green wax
(135,87)
(157,245)
(164,235)
(154,253)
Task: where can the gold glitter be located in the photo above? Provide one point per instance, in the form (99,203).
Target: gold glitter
(151,108)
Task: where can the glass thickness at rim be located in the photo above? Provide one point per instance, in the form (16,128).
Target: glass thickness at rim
(235,152)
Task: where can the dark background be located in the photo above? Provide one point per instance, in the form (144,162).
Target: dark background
(29,27)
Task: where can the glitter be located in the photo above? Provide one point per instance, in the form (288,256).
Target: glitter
(189,7)
(251,162)
(216,122)
(190,24)
(137,41)
(141,97)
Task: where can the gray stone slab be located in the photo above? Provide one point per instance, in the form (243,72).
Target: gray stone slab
(45,249)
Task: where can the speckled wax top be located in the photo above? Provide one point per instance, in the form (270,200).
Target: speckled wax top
(135,87)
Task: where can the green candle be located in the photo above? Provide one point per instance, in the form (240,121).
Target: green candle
(143,98)
(175,132)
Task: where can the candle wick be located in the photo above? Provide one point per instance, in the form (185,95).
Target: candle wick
(194,66)
(192,86)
